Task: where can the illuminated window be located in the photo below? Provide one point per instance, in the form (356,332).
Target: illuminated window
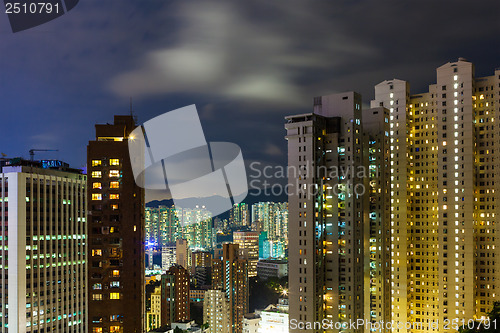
(96,174)
(114,329)
(114,207)
(96,196)
(114,161)
(114,284)
(114,173)
(96,252)
(116,273)
(97,286)
(97,185)
(114,196)
(97,297)
(114,296)
(114,185)
(97,330)
(96,162)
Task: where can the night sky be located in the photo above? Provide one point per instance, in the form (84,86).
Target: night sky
(245,64)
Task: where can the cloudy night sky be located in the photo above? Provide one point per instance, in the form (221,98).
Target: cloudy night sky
(245,64)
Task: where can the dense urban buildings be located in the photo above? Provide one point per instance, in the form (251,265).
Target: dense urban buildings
(421,254)
(115,233)
(42,248)
(239,215)
(444,192)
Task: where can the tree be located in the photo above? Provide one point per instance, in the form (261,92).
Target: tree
(489,326)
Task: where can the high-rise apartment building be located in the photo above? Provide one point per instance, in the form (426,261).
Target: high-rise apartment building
(239,215)
(115,233)
(377,149)
(153,316)
(197,227)
(182,253)
(230,275)
(175,295)
(168,256)
(273,216)
(329,210)
(249,241)
(443,196)
(216,312)
(201,268)
(42,248)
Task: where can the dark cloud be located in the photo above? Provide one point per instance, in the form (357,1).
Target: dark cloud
(245,64)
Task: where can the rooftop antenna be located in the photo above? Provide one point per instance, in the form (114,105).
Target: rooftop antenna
(132,111)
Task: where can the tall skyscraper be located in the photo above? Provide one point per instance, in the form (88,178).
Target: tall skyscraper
(377,150)
(42,248)
(444,191)
(328,212)
(175,295)
(115,233)
(230,275)
(249,241)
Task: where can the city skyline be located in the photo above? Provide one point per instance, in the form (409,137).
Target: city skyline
(250,166)
(65,69)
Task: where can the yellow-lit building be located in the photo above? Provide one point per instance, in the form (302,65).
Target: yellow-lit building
(443,197)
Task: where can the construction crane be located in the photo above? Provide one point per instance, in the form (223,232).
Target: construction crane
(32,152)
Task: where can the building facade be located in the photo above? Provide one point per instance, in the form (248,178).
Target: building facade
(443,171)
(249,241)
(43,255)
(328,212)
(115,233)
(216,312)
(175,295)
(153,316)
(230,275)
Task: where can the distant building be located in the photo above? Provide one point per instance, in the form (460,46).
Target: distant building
(42,248)
(116,301)
(249,240)
(175,295)
(197,295)
(275,318)
(168,256)
(153,316)
(239,215)
(216,312)
(272,218)
(196,227)
(201,268)
(182,253)
(267,268)
(230,274)
(251,322)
